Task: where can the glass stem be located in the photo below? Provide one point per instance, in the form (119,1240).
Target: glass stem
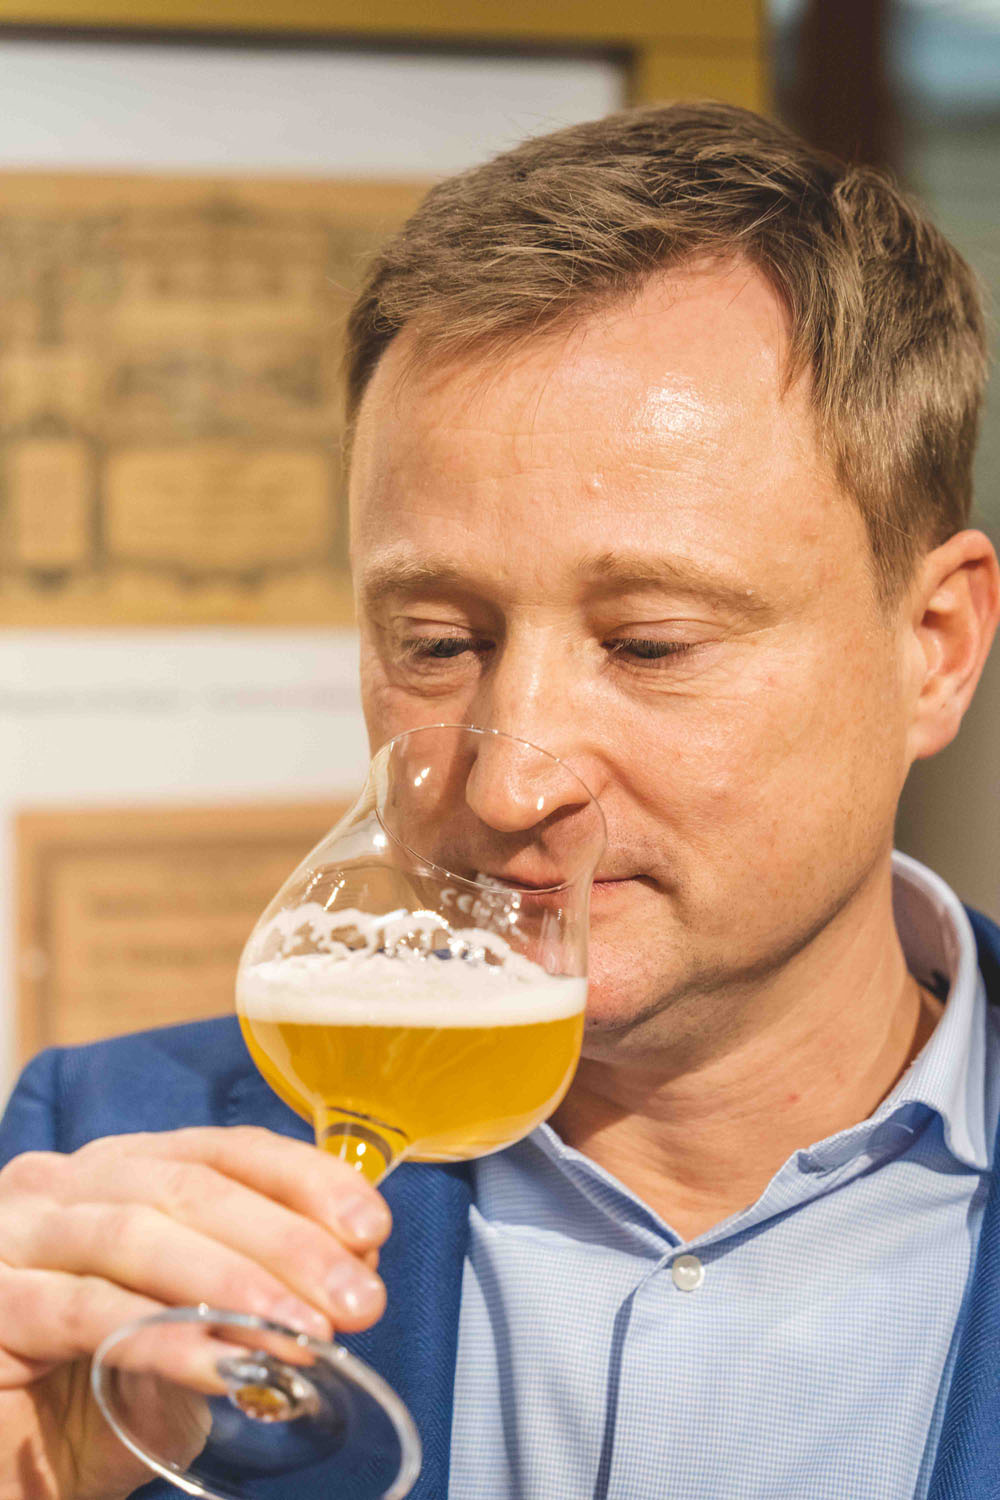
(368,1145)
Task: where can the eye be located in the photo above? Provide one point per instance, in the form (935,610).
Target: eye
(440,648)
(642,650)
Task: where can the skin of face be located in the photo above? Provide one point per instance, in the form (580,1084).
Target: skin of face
(622,542)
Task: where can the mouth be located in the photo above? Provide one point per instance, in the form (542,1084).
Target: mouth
(527,879)
(610,885)
(540,886)
(601,883)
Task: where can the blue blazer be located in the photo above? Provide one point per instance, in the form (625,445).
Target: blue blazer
(202,1075)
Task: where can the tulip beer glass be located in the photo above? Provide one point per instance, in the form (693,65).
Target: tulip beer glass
(416,991)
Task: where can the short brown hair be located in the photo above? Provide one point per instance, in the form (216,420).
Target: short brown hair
(884,313)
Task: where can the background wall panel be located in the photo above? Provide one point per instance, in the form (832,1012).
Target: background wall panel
(164,719)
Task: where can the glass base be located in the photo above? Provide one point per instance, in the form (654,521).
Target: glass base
(232,1407)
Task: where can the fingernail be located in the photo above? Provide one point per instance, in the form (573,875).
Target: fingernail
(353,1291)
(364,1218)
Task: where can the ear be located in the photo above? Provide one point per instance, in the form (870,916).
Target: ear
(954,609)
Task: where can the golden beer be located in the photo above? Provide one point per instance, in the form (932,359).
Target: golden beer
(461,1061)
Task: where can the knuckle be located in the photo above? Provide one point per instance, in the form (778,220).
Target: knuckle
(87,1310)
(31,1172)
(183,1187)
(49,1229)
(35,1234)
(105,1145)
(76,1312)
(122,1230)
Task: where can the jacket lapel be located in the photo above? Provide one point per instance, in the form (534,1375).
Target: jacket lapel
(968,1458)
(414,1345)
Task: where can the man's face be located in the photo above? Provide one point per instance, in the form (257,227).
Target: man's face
(622,543)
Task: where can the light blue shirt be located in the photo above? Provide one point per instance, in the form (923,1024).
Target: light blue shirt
(801,1350)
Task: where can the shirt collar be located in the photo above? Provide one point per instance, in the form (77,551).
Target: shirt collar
(949,1074)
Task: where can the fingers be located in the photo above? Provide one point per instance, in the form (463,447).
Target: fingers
(292,1173)
(140,1248)
(236,1218)
(85,1311)
(49,1318)
(305,1257)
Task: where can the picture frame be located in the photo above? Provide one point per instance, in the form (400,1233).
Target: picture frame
(686,48)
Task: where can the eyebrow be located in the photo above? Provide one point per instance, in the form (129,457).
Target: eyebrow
(634,573)
(606,573)
(395,575)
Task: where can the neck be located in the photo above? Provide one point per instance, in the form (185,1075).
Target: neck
(698,1132)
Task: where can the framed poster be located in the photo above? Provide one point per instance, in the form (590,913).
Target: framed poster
(170,396)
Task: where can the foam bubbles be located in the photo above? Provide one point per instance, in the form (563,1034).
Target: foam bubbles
(376,989)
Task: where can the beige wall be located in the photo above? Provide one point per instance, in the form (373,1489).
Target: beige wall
(180,716)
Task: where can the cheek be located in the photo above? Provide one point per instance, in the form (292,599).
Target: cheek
(791,750)
(711,749)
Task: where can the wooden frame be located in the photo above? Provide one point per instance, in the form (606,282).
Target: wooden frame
(686,47)
(135,917)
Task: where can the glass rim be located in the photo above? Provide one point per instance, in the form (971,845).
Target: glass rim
(495,885)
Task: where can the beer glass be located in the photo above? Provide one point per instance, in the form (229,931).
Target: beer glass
(416,991)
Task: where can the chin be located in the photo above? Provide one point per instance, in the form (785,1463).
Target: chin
(613,1010)
(630,983)
(625,965)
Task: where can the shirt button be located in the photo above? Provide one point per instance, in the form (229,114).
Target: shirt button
(688,1273)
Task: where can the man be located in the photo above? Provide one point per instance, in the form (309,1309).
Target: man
(660,458)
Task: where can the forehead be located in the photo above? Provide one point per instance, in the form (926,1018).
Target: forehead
(668,412)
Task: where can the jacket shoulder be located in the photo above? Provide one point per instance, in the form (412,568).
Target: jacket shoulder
(152,1080)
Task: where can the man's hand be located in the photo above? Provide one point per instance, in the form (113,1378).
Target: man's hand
(239,1218)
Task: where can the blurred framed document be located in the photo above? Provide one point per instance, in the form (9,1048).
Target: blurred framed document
(134,918)
(170,395)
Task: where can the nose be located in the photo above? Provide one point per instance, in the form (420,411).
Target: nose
(512,787)
(535,690)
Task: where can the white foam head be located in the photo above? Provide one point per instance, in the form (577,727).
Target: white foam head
(404,969)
